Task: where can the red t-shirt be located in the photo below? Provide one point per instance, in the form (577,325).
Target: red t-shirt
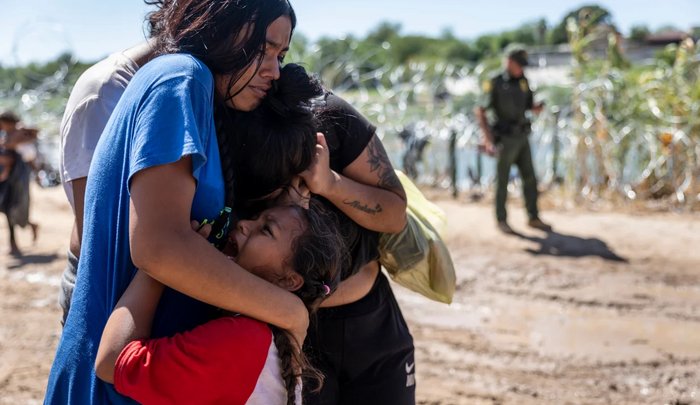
(230,360)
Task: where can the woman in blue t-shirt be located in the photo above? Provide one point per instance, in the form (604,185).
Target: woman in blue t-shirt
(159,164)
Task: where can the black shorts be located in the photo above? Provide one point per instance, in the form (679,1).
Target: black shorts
(365,351)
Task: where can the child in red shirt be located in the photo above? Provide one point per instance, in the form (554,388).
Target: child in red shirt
(233,359)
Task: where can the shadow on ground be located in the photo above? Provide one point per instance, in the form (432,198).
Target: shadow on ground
(19,261)
(559,244)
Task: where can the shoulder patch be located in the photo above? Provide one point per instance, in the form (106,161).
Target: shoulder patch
(486,86)
(523,85)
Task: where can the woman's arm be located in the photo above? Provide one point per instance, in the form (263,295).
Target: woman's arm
(164,245)
(131,320)
(354,287)
(368,181)
(368,190)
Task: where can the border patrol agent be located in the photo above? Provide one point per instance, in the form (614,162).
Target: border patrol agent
(508,96)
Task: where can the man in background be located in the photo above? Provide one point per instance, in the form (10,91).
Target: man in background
(15,175)
(508,97)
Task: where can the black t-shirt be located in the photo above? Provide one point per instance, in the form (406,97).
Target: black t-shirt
(347,131)
(347,134)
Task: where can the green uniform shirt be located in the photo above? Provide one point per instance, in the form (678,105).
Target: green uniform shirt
(508,98)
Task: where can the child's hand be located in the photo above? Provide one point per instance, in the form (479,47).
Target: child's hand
(217,231)
(202,230)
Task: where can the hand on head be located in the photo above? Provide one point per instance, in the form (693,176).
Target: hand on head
(319,177)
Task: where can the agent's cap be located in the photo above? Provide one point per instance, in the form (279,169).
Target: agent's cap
(516,53)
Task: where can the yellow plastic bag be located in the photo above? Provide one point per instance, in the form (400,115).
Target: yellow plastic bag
(417,257)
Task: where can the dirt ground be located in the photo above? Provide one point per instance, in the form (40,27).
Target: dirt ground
(605,310)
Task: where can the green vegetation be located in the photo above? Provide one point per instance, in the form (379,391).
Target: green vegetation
(634,129)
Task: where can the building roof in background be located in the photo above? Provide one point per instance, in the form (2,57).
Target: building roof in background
(666,37)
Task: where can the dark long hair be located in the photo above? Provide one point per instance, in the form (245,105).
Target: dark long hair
(226,35)
(270,145)
(276,141)
(317,256)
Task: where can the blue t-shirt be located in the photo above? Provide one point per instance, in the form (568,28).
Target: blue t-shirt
(164,114)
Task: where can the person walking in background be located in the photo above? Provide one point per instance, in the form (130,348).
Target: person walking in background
(15,174)
(508,96)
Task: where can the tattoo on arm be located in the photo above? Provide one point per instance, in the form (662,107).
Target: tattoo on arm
(363,207)
(379,162)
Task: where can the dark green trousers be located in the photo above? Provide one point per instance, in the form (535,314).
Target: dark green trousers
(515,150)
